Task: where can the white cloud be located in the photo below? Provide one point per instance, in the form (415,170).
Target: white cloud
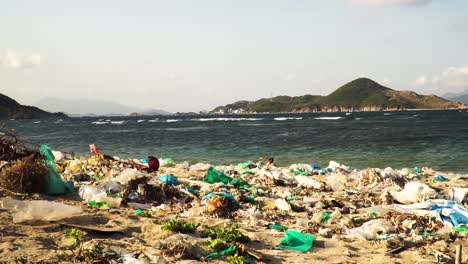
(290,77)
(420,81)
(390,2)
(453,79)
(172,76)
(13,60)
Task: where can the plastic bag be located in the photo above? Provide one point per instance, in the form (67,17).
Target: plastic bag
(169,179)
(337,182)
(296,240)
(370,229)
(308,182)
(39,210)
(55,184)
(414,192)
(97,194)
(214,176)
(457,194)
(127,175)
(200,167)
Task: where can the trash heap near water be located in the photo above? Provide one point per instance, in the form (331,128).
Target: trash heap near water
(251,212)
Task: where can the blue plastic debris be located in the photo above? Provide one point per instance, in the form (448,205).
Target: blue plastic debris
(439,178)
(169,179)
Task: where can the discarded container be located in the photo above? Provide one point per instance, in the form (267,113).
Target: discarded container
(91,193)
(98,194)
(370,229)
(337,182)
(58,155)
(39,210)
(282,205)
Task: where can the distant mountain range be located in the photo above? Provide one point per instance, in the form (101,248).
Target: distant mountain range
(11,109)
(362,94)
(459,97)
(85,107)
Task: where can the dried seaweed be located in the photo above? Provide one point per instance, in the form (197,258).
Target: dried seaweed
(23,169)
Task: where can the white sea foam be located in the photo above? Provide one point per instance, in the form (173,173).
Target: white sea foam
(173,120)
(100,122)
(141,120)
(225,119)
(117,122)
(329,118)
(387,114)
(287,118)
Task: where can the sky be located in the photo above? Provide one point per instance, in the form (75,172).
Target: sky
(193,55)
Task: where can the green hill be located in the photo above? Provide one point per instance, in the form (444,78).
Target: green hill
(10,109)
(362,94)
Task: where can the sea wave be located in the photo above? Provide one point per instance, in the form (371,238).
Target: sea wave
(187,128)
(173,120)
(100,122)
(225,119)
(329,118)
(287,118)
(118,122)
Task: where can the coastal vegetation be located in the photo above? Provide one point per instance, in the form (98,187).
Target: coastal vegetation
(362,94)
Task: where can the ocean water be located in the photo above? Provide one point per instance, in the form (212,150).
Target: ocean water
(438,139)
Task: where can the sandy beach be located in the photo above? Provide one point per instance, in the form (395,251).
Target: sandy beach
(299,197)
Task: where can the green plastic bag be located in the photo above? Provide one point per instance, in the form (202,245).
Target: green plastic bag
(227,251)
(214,176)
(298,241)
(55,184)
(461,229)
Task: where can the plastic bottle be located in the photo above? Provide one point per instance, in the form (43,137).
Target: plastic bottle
(91,193)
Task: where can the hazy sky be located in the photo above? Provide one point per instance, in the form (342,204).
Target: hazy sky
(194,55)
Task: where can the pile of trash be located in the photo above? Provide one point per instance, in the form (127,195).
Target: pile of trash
(303,202)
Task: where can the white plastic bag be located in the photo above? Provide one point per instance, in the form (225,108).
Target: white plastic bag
(308,182)
(370,229)
(414,192)
(39,210)
(457,194)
